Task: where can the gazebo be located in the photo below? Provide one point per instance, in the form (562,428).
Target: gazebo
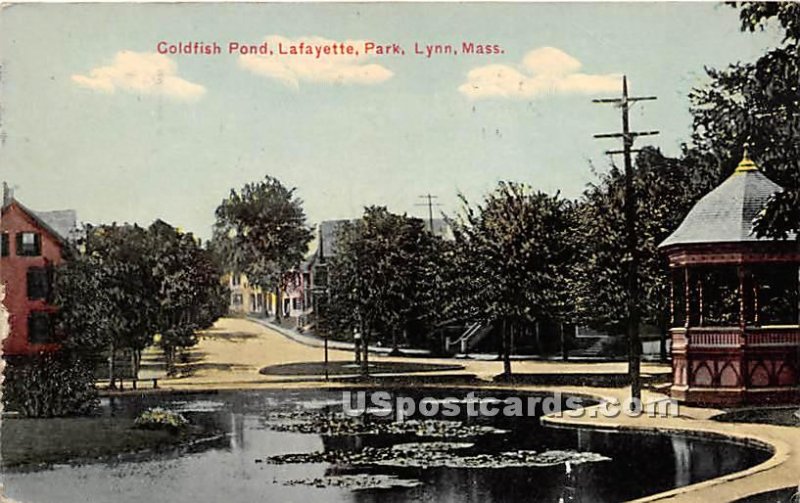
(734,299)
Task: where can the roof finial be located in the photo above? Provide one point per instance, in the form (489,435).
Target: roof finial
(746,164)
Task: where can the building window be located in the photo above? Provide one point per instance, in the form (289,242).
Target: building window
(38,283)
(40,328)
(236,299)
(236,279)
(5,243)
(29,244)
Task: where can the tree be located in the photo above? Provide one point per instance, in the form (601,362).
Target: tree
(106,295)
(381,280)
(128,284)
(261,231)
(516,252)
(667,188)
(190,295)
(758,103)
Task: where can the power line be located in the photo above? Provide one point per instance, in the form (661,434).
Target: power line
(628,137)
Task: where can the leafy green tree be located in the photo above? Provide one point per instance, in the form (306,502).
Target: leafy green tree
(190,295)
(382,279)
(758,103)
(126,284)
(667,189)
(107,295)
(261,231)
(516,252)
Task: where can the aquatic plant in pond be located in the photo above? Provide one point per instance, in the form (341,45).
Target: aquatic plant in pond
(303,421)
(439,455)
(161,419)
(357,482)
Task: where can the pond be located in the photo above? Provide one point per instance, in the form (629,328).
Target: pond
(299,446)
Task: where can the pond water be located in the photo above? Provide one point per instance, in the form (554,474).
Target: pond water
(462,459)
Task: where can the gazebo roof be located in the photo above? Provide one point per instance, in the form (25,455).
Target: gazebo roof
(726,214)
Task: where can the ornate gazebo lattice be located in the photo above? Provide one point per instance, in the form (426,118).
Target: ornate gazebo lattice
(734,303)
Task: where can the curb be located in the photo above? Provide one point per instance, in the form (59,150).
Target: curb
(318,342)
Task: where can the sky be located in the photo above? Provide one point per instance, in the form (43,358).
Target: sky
(95,119)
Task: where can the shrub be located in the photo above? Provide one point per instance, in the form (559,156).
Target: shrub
(49,385)
(161,419)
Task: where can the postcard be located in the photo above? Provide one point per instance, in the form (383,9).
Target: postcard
(400,251)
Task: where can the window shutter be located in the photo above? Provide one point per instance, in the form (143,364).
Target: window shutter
(40,328)
(37,244)
(38,283)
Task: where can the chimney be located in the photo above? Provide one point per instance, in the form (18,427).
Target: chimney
(8,194)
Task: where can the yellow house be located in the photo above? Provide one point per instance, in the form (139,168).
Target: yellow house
(247,299)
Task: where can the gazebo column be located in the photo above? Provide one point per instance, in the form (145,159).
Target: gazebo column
(742,272)
(687,296)
(798,284)
(756,317)
(671,298)
(700,303)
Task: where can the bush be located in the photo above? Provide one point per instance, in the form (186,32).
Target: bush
(161,419)
(48,385)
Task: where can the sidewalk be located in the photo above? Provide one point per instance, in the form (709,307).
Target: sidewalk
(318,342)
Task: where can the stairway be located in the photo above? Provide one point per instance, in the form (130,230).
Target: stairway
(471,337)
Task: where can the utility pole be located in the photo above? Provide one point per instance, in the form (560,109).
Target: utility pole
(430,204)
(632,283)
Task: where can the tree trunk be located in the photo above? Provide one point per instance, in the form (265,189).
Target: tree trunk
(501,347)
(538,337)
(278,304)
(563,336)
(169,354)
(506,350)
(365,354)
(135,364)
(112,366)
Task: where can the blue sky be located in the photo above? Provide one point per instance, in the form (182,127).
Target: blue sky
(86,128)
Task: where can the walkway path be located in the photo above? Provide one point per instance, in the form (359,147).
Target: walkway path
(230,355)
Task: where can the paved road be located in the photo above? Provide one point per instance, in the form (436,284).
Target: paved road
(231,353)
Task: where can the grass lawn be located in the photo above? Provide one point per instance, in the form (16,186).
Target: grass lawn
(779,416)
(27,442)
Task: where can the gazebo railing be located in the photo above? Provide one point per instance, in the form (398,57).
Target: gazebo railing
(731,337)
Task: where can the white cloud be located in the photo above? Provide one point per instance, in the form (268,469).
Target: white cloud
(543,71)
(328,69)
(142,73)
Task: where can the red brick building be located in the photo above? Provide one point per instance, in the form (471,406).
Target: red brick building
(32,244)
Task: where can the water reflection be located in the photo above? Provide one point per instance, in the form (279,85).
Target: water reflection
(234,471)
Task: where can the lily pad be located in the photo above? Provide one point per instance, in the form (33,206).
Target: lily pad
(358,482)
(300,421)
(439,454)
